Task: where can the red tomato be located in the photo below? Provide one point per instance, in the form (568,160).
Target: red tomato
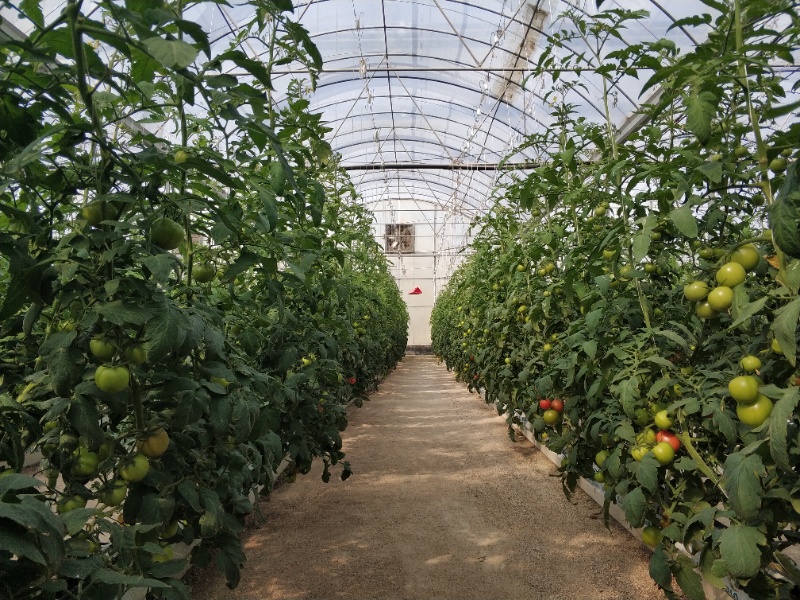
(557,405)
(544,404)
(667,436)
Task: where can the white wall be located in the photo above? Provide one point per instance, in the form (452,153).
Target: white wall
(439,235)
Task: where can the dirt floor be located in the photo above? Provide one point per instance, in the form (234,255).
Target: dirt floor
(442,504)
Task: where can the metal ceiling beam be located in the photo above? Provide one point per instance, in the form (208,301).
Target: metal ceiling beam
(442,166)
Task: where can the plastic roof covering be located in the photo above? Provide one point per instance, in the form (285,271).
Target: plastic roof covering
(435,83)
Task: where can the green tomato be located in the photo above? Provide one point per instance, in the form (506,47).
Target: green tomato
(551,416)
(720,298)
(136,355)
(695,291)
(778,165)
(639,452)
(135,469)
(86,462)
(663,420)
(70,503)
(204,273)
(664,453)
(731,274)
(181,156)
(741,152)
(609,253)
(166,233)
(776,346)
(599,477)
(112,379)
(114,493)
(704,310)
(744,388)
(601,457)
(755,413)
(651,535)
(747,256)
(520,268)
(750,363)
(102,349)
(97,212)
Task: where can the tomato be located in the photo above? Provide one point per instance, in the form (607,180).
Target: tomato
(670,438)
(551,416)
(638,452)
(625,271)
(731,274)
(741,152)
(557,405)
(609,253)
(70,503)
(650,268)
(204,273)
(97,212)
(663,420)
(136,355)
(547,347)
(646,437)
(776,346)
(544,404)
(600,211)
(744,388)
(114,493)
(704,310)
(550,267)
(601,457)
(85,464)
(155,445)
(695,291)
(163,556)
(755,413)
(599,477)
(747,256)
(351,380)
(166,233)
(778,165)
(112,379)
(102,349)
(750,363)
(651,535)
(720,298)
(169,530)
(642,416)
(135,469)
(181,156)
(664,452)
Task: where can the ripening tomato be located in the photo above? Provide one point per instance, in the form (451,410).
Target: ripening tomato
(669,437)
(557,405)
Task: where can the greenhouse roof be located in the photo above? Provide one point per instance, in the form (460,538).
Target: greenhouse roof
(424,98)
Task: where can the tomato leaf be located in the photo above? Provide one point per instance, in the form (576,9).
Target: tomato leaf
(173,54)
(165,332)
(635,505)
(685,221)
(742,481)
(691,584)
(738,545)
(659,568)
(747,311)
(628,392)
(783,219)
(778,425)
(641,241)
(700,109)
(647,472)
(85,416)
(785,326)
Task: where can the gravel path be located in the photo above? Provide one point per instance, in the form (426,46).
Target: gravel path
(442,504)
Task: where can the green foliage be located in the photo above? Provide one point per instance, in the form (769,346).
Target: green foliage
(242,369)
(627,223)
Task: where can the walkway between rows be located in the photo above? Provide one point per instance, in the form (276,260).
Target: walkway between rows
(442,504)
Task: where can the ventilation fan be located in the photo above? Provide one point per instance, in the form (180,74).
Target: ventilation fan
(400,239)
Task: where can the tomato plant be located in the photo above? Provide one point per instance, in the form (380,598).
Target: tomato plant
(165,400)
(691,192)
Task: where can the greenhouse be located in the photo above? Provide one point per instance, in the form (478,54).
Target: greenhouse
(399,299)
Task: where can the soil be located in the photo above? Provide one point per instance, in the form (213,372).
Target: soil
(442,504)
